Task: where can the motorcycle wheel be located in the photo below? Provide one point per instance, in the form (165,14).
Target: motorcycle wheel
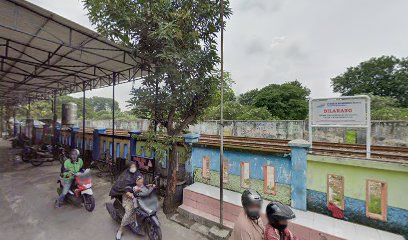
(89,202)
(35,161)
(25,157)
(154,232)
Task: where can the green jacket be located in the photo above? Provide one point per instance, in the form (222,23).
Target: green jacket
(71,168)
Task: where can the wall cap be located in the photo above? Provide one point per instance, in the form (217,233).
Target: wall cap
(191,137)
(136,132)
(299,143)
(100,129)
(74,129)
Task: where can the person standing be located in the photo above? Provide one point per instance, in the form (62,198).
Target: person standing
(249,225)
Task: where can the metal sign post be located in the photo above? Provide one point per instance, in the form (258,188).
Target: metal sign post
(344,112)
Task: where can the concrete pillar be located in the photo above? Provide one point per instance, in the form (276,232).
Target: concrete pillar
(96,145)
(46,134)
(37,134)
(57,135)
(189,139)
(74,131)
(133,141)
(299,149)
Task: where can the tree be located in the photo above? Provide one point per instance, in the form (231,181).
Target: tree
(285,101)
(384,76)
(102,103)
(233,110)
(96,108)
(177,40)
(387,108)
(247,98)
(229,94)
(379,102)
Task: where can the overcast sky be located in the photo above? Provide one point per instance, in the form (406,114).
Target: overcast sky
(274,41)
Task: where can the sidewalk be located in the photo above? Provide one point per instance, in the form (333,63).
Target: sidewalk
(307,225)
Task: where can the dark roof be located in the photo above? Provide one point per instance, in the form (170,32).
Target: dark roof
(42,53)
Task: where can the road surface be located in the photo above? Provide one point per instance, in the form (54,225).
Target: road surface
(27,196)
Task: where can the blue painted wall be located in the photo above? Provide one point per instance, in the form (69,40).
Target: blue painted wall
(354,211)
(256,162)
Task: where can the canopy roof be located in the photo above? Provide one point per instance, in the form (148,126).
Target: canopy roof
(42,54)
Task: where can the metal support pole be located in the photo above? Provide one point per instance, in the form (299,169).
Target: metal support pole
(310,125)
(29,133)
(54,119)
(83,119)
(29,108)
(222,120)
(2,119)
(114,76)
(14,123)
(368,133)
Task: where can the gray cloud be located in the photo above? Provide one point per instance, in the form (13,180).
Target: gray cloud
(260,5)
(274,41)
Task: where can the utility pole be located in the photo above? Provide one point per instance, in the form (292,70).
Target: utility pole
(83,118)
(222,120)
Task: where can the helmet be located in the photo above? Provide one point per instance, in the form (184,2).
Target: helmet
(139,177)
(276,211)
(249,198)
(74,150)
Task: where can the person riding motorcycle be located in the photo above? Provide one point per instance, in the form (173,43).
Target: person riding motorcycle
(70,167)
(249,225)
(123,188)
(278,215)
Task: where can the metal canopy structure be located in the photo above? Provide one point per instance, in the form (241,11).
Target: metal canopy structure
(43,54)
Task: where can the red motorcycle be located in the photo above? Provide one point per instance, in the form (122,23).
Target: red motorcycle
(81,191)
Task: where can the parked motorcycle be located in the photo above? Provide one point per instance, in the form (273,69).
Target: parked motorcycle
(146,213)
(81,191)
(19,141)
(44,153)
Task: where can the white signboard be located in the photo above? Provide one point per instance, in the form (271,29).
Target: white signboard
(350,111)
(339,111)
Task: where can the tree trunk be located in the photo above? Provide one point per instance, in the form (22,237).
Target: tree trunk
(170,204)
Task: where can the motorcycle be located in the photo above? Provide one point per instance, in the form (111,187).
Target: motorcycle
(45,153)
(19,141)
(81,191)
(146,207)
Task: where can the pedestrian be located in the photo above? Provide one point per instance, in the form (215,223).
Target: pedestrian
(249,225)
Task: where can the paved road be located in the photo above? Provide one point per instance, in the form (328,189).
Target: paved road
(27,196)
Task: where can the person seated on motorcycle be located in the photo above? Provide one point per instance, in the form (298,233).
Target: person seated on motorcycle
(123,188)
(140,187)
(249,225)
(68,170)
(278,215)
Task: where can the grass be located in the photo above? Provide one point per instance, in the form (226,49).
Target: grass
(351,136)
(374,206)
